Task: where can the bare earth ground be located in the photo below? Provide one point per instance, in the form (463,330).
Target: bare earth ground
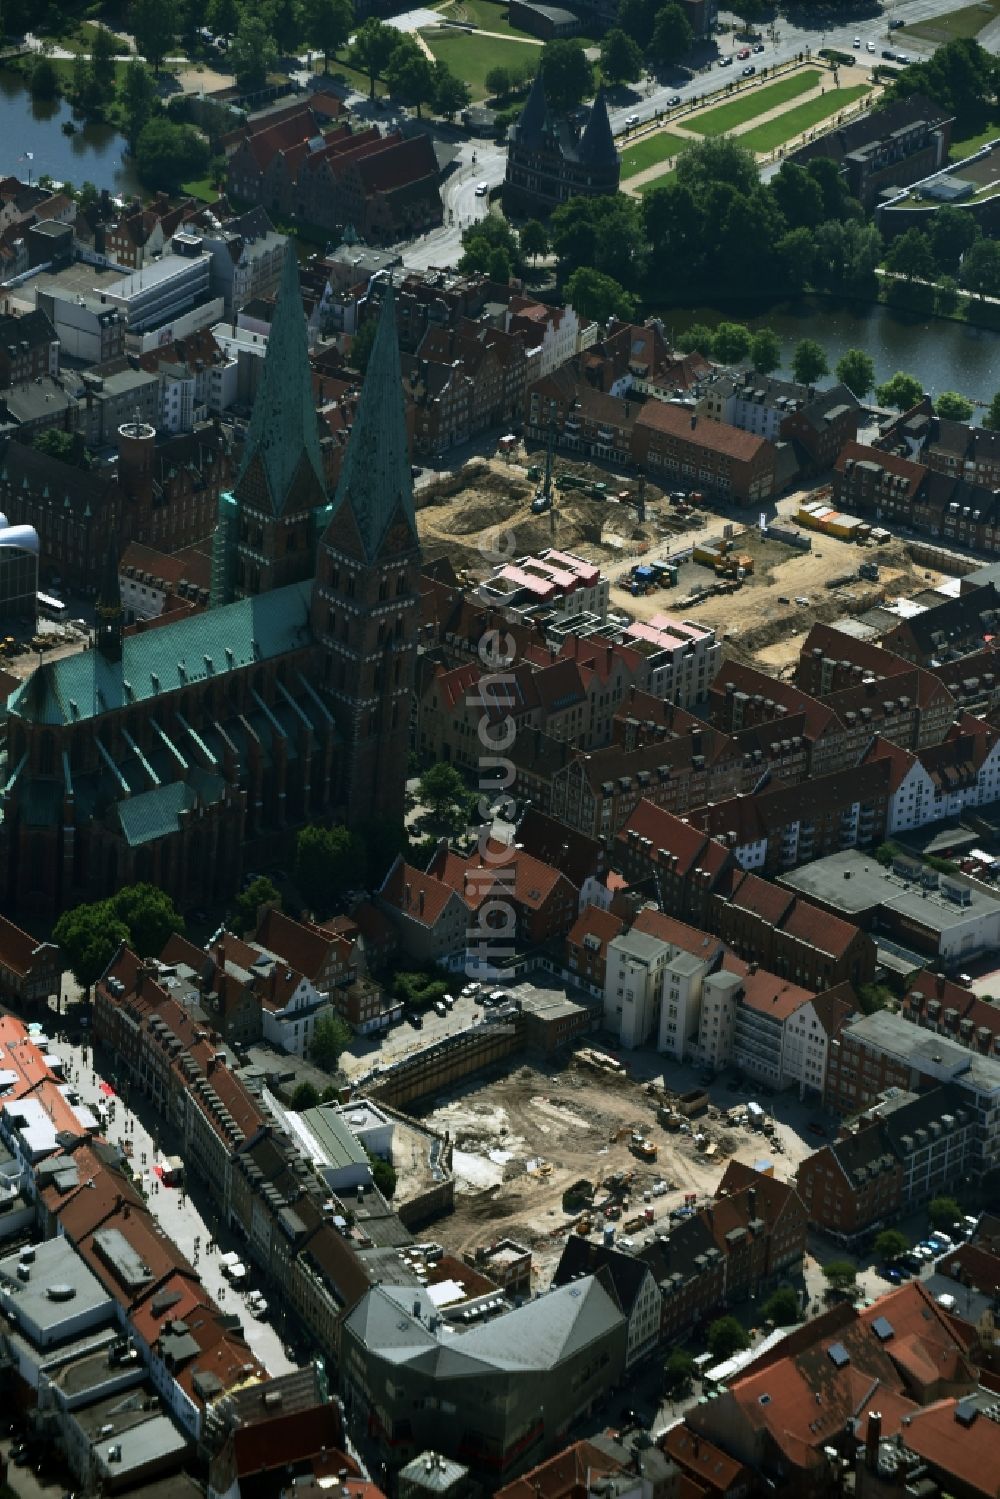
(520,1140)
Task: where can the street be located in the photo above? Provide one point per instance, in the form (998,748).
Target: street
(184,1217)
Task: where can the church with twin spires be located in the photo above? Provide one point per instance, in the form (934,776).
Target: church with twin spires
(183,754)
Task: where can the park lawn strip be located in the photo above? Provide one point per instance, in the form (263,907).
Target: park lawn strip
(472,56)
(756,101)
(967,21)
(342,72)
(793,122)
(646,153)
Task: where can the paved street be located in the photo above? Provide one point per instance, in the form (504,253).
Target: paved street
(186,1219)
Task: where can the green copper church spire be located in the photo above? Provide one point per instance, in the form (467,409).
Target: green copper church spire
(283,430)
(375,481)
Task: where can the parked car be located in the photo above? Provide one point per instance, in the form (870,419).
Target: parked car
(482,188)
(758,46)
(743,53)
(748,72)
(631,120)
(857,42)
(673,101)
(871,46)
(725,62)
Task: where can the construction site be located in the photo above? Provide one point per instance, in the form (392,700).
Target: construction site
(677,553)
(540,1153)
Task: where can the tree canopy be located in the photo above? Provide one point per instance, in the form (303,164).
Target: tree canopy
(840,1273)
(890,1244)
(765,351)
(327,25)
(154,24)
(566,73)
(952,405)
(594,295)
(731,343)
(943,1212)
(671,38)
(373,45)
(961,76)
(856,370)
(328,863)
(167,154)
(621,57)
(727,1336)
(90,934)
(260,892)
(331,1036)
(902,391)
(809,361)
(782,1307)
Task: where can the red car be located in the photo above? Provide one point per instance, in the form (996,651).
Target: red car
(743,53)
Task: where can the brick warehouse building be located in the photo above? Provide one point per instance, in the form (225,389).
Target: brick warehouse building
(173,754)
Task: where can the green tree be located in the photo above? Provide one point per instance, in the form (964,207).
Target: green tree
(765,351)
(328,863)
(534,240)
(953,406)
(946,296)
(795,253)
(873,997)
(149,915)
(637,18)
(167,154)
(450,93)
(902,391)
(856,370)
(260,892)
(594,295)
(283,21)
(604,234)
(566,73)
(102,64)
(499,83)
(137,95)
(697,339)
(750,12)
(87,198)
(223,16)
(798,195)
(253,53)
(499,266)
(980,270)
(305,1096)
(672,37)
(327,25)
(890,1244)
(943,1212)
(726,1336)
(911,256)
(952,232)
(992,417)
(441,788)
(782,1307)
(89,936)
(621,58)
(68,447)
(384,1176)
(731,343)
(82,88)
(409,75)
(840,1274)
(809,362)
(154,24)
(718,159)
(331,1037)
(678,1371)
(961,76)
(44,82)
(373,45)
(361,344)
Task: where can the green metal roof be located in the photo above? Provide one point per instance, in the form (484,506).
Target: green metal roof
(154,814)
(283,427)
(375,480)
(158,662)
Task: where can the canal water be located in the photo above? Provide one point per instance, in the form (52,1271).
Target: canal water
(944,355)
(92,154)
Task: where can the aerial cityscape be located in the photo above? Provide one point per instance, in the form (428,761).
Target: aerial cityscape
(500,750)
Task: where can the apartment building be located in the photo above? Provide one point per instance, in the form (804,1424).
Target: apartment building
(884,1051)
(553,579)
(770,926)
(634,1286)
(904,1149)
(633,986)
(685,657)
(675,445)
(942,780)
(946,1008)
(819,422)
(685,864)
(903,144)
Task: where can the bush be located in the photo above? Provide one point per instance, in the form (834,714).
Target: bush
(840,1274)
(383,1175)
(943,1212)
(891,1244)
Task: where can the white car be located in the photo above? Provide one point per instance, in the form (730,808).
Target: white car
(631,120)
(482,188)
(857,42)
(871,46)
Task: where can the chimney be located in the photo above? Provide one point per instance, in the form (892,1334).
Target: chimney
(872,1440)
(420,902)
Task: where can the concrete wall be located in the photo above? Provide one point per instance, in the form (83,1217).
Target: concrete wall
(440,1067)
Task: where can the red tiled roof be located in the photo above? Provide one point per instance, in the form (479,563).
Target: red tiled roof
(404,887)
(966,1456)
(306,948)
(913,473)
(705,432)
(713,1467)
(293,1437)
(565,1476)
(594,922)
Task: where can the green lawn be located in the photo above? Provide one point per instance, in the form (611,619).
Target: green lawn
(489,15)
(967,21)
(755,101)
(472,56)
(646,153)
(202,189)
(967,144)
(342,72)
(772,133)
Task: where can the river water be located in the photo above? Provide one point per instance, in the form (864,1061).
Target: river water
(943,355)
(93,154)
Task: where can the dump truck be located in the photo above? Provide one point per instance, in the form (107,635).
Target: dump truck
(691,1103)
(644,1149)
